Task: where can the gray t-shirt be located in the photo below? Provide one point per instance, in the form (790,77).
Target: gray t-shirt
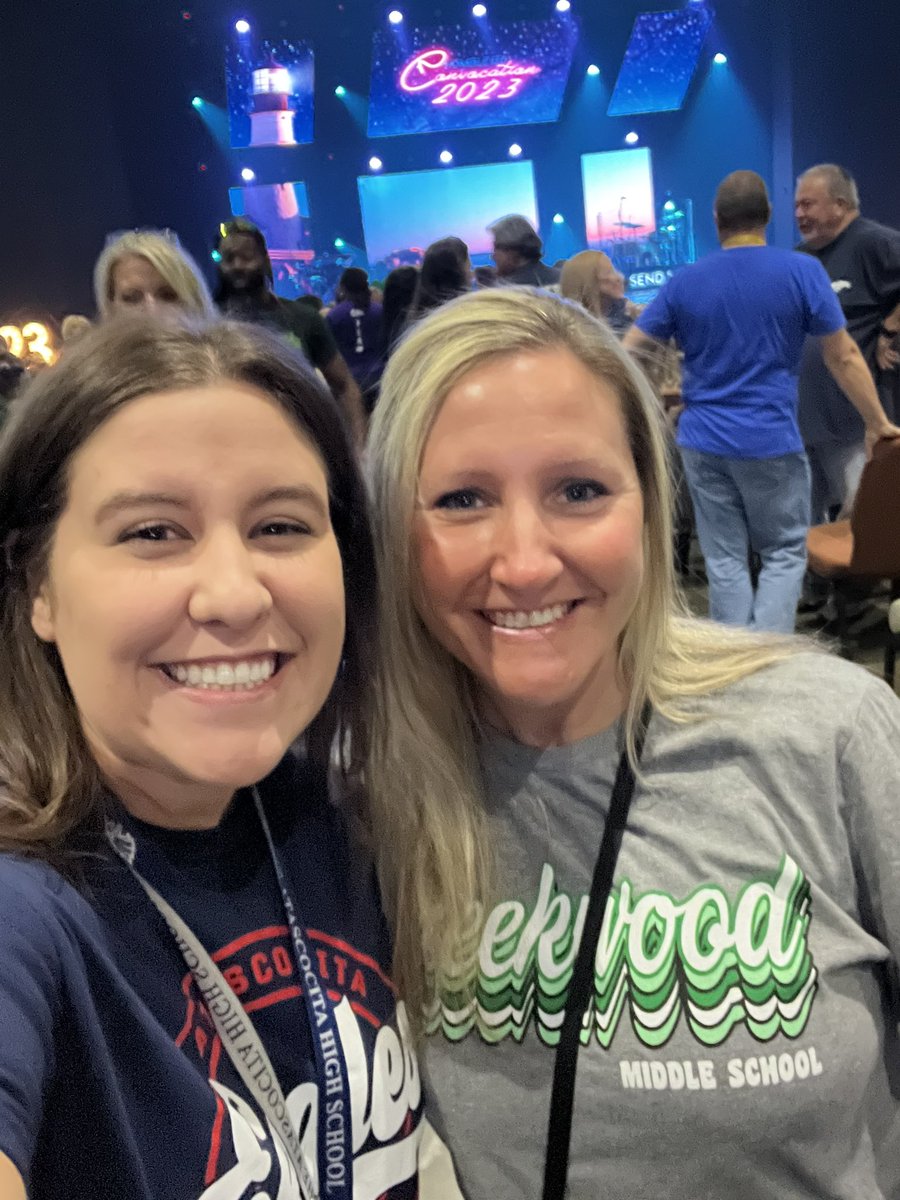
(743,1038)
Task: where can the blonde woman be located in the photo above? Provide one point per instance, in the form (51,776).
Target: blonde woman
(725,977)
(591,279)
(148,271)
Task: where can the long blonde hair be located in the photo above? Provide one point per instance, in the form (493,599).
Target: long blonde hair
(578,279)
(165,254)
(423,775)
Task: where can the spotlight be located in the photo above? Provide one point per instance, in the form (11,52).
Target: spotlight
(631,138)
(515,150)
(340,90)
(446,157)
(563,5)
(669,206)
(593,69)
(375,164)
(242,26)
(720,58)
(558,219)
(216,256)
(479,10)
(395,16)
(248,175)
(339,243)
(197,102)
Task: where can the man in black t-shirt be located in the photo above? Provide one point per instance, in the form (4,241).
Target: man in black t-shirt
(517,253)
(862,259)
(244,292)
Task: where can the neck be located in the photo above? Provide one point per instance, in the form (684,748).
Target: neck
(752,237)
(165,801)
(546,727)
(848,220)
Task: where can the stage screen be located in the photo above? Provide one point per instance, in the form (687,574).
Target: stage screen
(660,61)
(403,214)
(460,77)
(270,92)
(618,196)
(281,210)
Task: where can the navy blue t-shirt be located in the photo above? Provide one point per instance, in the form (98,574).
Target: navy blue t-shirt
(113,1081)
(741,317)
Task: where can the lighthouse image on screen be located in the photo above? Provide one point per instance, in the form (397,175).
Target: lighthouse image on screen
(270,92)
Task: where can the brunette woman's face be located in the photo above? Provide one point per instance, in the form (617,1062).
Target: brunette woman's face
(195,592)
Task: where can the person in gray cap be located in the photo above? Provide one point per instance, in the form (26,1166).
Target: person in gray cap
(517,253)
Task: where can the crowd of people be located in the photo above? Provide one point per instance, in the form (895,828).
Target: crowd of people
(376,818)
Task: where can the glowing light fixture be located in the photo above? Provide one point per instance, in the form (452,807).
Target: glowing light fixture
(375,163)
(669,206)
(197,102)
(242,26)
(515,150)
(631,138)
(479,10)
(395,16)
(558,219)
(720,58)
(446,157)
(563,5)
(593,69)
(216,256)
(339,243)
(248,175)
(340,90)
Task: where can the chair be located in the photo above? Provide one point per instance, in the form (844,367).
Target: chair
(867,546)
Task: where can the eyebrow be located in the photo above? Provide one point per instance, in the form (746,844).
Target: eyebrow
(124,501)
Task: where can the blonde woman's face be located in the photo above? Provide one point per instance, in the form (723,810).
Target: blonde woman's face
(137,286)
(529,541)
(195,592)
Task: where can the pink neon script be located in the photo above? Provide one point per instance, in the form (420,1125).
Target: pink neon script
(464,85)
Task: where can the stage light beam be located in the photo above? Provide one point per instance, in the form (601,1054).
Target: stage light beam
(242,26)
(631,138)
(558,219)
(515,150)
(339,243)
(248,174)
(375,163)
(395,16)
(563,5)
(479,10)
(197,102)
(216,256)
(593,69)
(446,157)
(340,91)
(720,58)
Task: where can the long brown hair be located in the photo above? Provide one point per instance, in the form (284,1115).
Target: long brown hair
(49,784)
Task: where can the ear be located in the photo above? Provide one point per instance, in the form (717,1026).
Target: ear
(42,615)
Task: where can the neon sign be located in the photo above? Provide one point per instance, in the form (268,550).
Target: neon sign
(432,70)
(33,338)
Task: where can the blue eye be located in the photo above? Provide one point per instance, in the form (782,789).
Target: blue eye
(582,491)
(464,499)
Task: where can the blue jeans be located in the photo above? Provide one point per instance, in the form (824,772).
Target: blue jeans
(744,505)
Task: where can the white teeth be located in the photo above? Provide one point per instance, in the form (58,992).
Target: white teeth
(242,676)
(528,620)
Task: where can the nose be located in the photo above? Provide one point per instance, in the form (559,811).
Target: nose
(525,555)
(228,589)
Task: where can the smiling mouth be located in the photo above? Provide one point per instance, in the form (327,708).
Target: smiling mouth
(226,675)
(535,618)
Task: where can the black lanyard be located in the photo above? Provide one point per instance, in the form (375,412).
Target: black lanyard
(562,1099)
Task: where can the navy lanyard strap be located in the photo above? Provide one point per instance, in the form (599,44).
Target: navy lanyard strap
(562,1099)
(335,1128)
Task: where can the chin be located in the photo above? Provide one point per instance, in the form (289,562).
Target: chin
(234,767)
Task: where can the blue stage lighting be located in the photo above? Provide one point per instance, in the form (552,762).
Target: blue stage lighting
(242,26)
(720,58)
(563,5)
(340,90)
(558,219)
(593,69)
(479,10)
(248,175)
(446,157)
(515,150)
(339,243)
(631,138)
(216,256)
(395,16)
(375,164)
(669,206)
(197,102)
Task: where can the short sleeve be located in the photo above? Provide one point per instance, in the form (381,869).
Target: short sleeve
(870,777)
(884,266)
(658,319)
(824,312)
(30,988)
(320,344)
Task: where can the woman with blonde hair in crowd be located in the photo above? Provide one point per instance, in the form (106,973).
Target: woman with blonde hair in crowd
(147,270)
(591,279)
(615,838)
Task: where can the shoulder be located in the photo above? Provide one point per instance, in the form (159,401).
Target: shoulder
(41,910)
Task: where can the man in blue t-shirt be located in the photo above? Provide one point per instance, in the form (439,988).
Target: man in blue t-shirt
(741,316)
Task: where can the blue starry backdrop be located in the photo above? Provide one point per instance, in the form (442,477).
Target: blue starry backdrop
(660,60)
